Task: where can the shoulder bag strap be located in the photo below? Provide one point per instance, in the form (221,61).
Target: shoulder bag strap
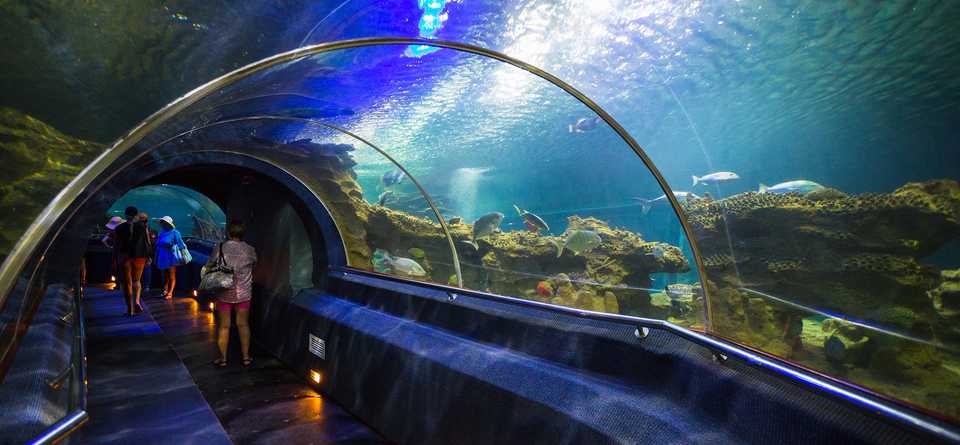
(220,260)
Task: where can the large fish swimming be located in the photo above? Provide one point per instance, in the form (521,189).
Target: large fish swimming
(646,204)
(532,222)
(385,197)
(392,177)
(401,266)
(798,186)
(584,124)
(714,178)
(578,241)
(485,225)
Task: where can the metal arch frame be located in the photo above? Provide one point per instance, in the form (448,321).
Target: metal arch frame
(18,257)
(433,206)
(29,241)
(426,195)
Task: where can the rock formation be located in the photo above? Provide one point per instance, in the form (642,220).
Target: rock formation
(857,256)
(37,162)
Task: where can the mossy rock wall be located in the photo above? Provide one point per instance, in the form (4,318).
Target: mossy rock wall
(857,255)
(36,162)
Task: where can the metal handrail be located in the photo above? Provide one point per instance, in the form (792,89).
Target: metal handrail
(63,428)
(77,371)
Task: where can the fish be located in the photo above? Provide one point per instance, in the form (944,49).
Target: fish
(579,241)
(455,220)
(533,222)
(416,252)
(380,261)
(679,290)
(798,186)
(646,204)
(715,178)
(544,289)
(404,266)
(485,225)
(657,252)
(392,177)
(384,197)
(584,124)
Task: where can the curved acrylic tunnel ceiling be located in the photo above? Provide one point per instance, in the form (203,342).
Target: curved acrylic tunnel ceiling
(413,158)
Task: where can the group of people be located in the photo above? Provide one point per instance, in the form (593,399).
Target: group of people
(135,247)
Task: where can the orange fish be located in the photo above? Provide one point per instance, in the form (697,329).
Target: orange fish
(544,289)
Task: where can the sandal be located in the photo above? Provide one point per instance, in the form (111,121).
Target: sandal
(220,363)
(247,362)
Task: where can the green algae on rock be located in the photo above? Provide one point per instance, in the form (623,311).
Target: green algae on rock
(855,255)
(38,161)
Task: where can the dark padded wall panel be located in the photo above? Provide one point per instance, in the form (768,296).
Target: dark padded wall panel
(423,370)
(29,404)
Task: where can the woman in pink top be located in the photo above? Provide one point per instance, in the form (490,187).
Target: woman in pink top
(241,257)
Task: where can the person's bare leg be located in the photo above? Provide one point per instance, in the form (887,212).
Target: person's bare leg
(137,272)
(173,280)
(223,332)
(243,315)
(127,279)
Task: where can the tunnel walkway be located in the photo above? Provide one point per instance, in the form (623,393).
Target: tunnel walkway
(151,381)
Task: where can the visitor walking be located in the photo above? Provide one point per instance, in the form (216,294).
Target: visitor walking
(110,241)
(241,257)
(135,250)
(170,250)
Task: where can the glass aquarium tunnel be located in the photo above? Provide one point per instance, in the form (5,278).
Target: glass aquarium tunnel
(478,174)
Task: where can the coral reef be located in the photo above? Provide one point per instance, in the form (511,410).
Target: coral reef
(38,161)
(613,277)
(856,255)
(851,254)
(946,301)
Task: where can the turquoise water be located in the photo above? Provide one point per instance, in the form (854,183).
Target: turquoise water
(184,205)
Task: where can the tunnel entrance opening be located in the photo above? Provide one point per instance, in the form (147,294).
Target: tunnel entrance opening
(197,218)
(287,239)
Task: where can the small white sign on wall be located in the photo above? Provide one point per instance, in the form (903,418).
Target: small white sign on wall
(318,347)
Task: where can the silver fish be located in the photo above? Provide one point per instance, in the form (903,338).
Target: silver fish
(384,197)
(533,222)
(798,186)
(584,124)
(405,266)
(579,241)
(392,177)
(646,204)
(715,178)
(455,220)
(485,225)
